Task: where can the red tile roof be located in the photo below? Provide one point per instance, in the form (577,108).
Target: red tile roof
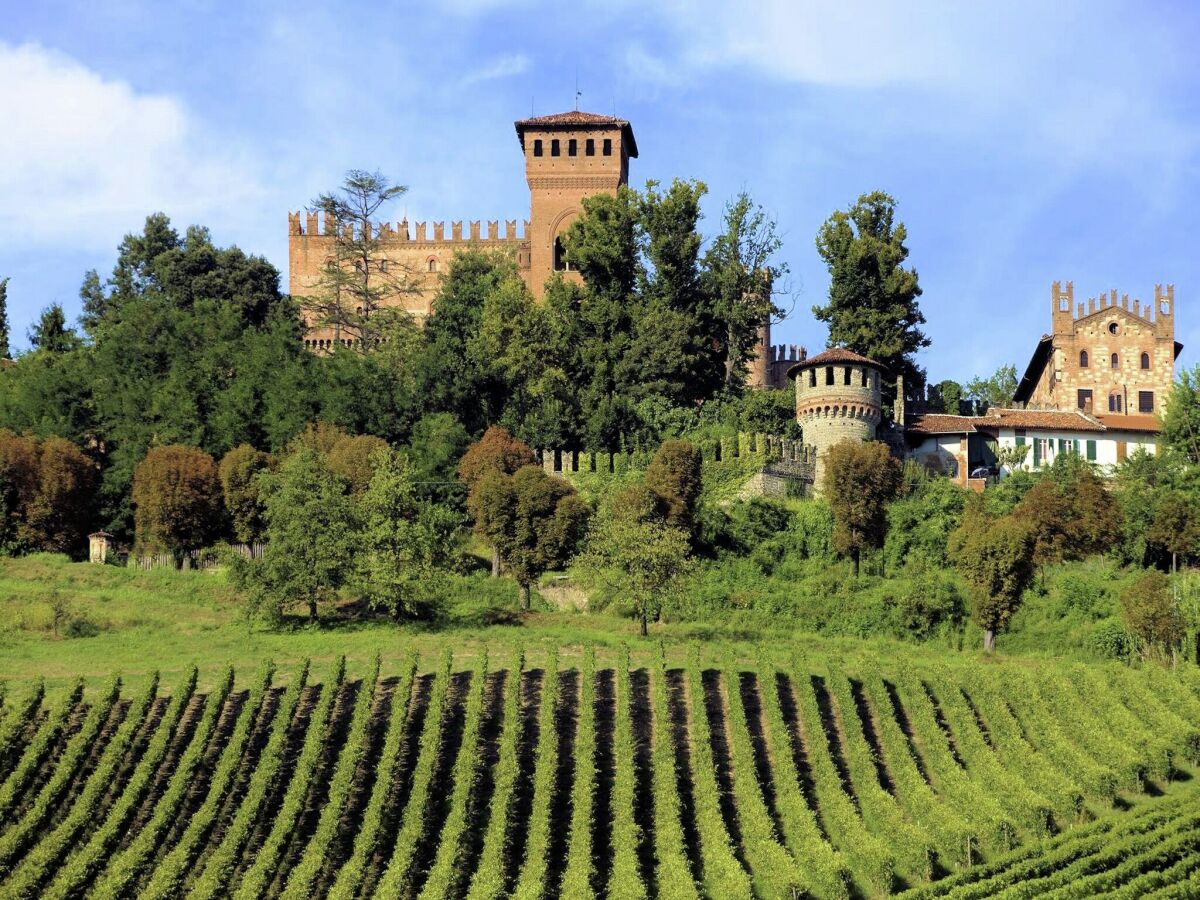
(1038,418)
(935,423)
(833,355)
(576,118)
(1132,422)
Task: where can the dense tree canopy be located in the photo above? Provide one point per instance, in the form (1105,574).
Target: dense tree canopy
(860,480)
(872,306)
(177,497)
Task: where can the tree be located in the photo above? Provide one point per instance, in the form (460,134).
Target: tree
(1176,527)
(406,543)
(177,497)
(5,350)
(995,558)
(950,395)
(19,463)
(1071,511)
(57,519)
(674,475)
(996,389)
(354,458)
(1181,416)
(239,471)
(51,333)
(438,443)
(310,535)
(644,559)
(496,452)
(860,479)
(533,519)
(359,279)
(872,306)
(1151,614)
(741,278)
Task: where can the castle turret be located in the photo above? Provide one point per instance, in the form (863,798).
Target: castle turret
(837,398)
(568,156)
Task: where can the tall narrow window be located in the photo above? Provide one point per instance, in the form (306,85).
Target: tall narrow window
(846,377)
(812,377)
(432,264)
(537,147)
(1146,401)
(1113,361)
(572,147)
(589,147)
(1145,360)
(561,263)
(554,148)
(608,146)
(829,374)
(1114,402)
(1083,359)
(865,378)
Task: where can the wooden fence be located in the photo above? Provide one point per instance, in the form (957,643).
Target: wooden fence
(201,560)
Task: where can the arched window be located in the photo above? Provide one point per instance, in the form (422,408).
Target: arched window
(1114,402)
(432,264)
(1145,360)
(1083,359)
(1113,361)
(561,263)
(554,147)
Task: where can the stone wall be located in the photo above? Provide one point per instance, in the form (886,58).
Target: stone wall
(835,403)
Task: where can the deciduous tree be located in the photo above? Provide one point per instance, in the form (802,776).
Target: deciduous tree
(496,452)
(674,475)
(995,558)
(533,519)
(1176,526)
(642,559)
(1152,615)
(872,306)
(860,479)
(239,471)
(406,543)
(177,498)
(996,389)
(59,514)
(1181,415)
(5,350)
(310,534)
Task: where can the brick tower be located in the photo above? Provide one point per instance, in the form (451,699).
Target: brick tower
(837,399)
(568,156)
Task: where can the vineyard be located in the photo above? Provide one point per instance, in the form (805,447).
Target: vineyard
(581,773)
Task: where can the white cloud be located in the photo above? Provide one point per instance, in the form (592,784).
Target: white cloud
(85,158)
(502,67)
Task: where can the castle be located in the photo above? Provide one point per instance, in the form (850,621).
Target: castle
(568,156)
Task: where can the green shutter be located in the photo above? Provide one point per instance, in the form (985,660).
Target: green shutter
(1091,450)
(1037,453)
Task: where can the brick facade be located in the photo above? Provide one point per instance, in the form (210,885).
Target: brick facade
(1110,357)
(568,156)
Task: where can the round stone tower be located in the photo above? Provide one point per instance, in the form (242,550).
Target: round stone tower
(837,399)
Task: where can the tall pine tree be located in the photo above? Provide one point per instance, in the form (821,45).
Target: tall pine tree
(872,306)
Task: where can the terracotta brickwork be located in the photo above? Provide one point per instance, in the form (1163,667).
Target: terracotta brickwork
(838,398)
(1122,352)
(568,156)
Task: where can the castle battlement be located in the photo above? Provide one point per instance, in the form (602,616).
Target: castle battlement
(769,448)
(1065,309)
(781,353)
(314,224)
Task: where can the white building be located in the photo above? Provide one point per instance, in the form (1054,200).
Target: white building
(962,445)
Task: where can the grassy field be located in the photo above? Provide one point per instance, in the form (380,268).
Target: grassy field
(136,623)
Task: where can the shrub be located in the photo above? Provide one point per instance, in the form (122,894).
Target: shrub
(675,476)
(1151,614)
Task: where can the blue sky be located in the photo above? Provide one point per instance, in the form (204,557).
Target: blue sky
(1023,143)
